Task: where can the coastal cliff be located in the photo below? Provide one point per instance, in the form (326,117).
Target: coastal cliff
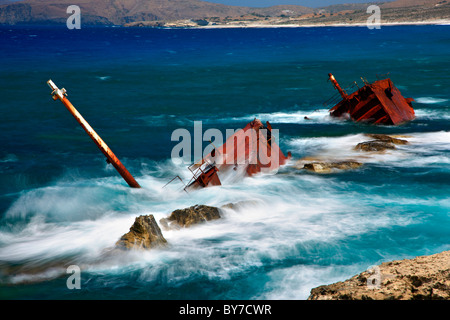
(421,278)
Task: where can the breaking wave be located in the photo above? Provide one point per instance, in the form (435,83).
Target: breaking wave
(317,116)
(291,237)
(432,114)
(430,100)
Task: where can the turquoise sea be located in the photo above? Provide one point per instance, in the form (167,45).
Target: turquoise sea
(62,205)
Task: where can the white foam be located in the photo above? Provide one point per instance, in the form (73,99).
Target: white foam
(241,240)
(284,214)
(343,148)
(104,77)
(430,114)
(49,274)
(295,283)
(430,100)
(315,116)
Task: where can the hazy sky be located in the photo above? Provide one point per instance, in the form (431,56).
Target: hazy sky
(306,3)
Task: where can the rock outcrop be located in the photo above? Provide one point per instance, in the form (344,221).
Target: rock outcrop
(374,146)
(144,234)
(422,278)
(380,142)
(328,167)
(386,138)
(187,217)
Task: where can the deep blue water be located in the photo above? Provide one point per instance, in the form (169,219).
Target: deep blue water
(61,204)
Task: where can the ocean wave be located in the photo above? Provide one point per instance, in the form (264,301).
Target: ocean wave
(295,283)
(59,226)
(432,114)
(9,158)
(430,100)
(304,117)
(343,148)
(23,278)
(319,116)
(285,219)
(103,78)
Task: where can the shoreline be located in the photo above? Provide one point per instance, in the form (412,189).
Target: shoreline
(383,24)
(189,24)
(424,277)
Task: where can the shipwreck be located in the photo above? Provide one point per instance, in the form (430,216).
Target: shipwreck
(248,151)
(379,102)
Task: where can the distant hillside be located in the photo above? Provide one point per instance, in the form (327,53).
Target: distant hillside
(348,7)
(411,3)
(194,13)
(124,11)
(382,4)
(400,11)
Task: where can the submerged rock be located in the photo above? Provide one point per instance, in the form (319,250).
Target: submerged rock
(422,278)
(193,215)
(144,234)
(381,142)
(375,145)
(328,167)
(386,138)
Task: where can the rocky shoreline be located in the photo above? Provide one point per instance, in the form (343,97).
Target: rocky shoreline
(421,278)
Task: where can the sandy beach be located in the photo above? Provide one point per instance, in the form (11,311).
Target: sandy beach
(385,24)
(252,24)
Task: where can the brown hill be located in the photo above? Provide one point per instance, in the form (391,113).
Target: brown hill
(177,12)
(411,3)
(124,11)
(382,4)
(335,8)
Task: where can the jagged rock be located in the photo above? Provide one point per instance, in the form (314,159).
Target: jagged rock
(327,167)
(381,142)
(189,216)
(422,278)
(386,138)
(144,234)
(374,145)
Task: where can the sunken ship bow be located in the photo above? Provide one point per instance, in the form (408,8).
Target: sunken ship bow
(379,102)
(249,151)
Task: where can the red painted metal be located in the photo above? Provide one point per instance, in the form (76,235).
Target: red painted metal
(378,103)
(204,177)
(111,157)
(337,86)
(247,152)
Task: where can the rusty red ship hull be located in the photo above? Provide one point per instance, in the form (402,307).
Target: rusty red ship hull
(245,153)
(379,102)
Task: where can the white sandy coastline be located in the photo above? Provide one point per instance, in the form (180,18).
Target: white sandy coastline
(258,25)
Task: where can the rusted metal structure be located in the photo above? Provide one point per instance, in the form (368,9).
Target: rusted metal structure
(379,102)
(61,94)
(248,151)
